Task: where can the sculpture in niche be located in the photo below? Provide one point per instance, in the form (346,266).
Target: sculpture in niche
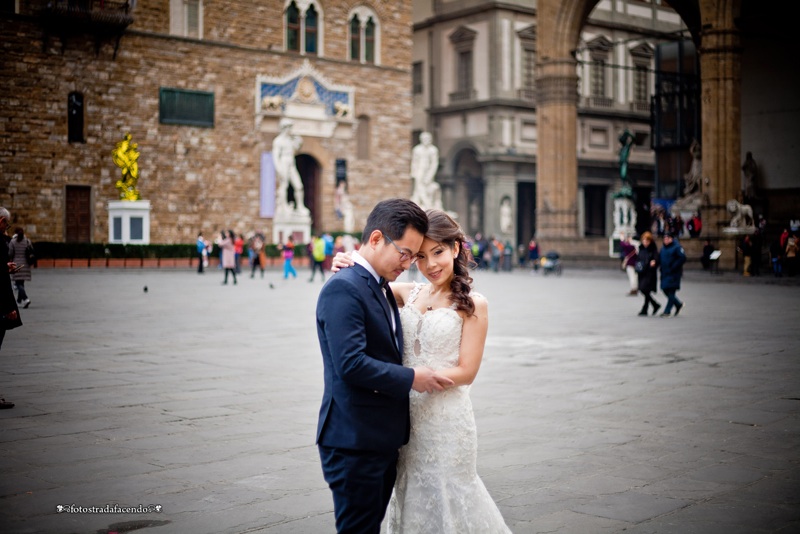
(424,164)
(284,148)
(506,224)
(749,176)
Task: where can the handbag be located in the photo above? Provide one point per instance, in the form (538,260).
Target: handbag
(639,267)
(30,256)
(625,260)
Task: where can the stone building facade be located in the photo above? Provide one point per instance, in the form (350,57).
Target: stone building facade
(484,115)
(201,88)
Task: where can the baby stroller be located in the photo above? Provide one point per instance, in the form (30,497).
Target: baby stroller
(551,263)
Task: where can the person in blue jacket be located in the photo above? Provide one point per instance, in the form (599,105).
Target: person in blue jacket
(672,259)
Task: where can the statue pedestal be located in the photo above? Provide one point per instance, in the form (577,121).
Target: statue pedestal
(291,222)
(624,223)
(129,222)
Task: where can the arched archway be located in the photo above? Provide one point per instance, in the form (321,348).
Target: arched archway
(310,172)
(469,197)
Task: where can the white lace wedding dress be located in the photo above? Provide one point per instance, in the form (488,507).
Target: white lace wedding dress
(438,490)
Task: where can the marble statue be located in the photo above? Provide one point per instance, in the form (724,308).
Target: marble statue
(424,164)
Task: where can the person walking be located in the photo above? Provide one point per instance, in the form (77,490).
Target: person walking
(9,312)
(288,256)
(647,269)
(672,259)
(228,254)
(20,250)
(316,250)
(364,415)
(259,257)
(533,255)
(627,252)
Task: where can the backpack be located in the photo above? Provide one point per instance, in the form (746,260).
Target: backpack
(319,250)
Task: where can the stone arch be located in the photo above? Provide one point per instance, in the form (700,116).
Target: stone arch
(466,173)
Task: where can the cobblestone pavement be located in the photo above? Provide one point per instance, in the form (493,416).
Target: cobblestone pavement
(202,399)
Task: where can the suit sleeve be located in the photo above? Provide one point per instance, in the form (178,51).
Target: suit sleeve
(353,340)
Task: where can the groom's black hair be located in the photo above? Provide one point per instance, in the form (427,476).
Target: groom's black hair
(393,216)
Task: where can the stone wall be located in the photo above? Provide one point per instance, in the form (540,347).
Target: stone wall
(196,178)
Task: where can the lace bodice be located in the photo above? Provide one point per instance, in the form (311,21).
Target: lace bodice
(438,490)
(432,338)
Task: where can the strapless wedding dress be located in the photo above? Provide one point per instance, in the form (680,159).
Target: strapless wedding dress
(438,490)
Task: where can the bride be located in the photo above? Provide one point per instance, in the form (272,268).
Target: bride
(438,489)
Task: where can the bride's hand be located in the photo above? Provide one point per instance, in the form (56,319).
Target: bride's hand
(342,260)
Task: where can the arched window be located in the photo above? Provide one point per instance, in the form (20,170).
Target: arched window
(311,31)
(365,36)
(303,25)
(369,41)
(293,28)
(355,39)
(75,118)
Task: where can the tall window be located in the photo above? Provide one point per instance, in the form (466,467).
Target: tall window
(355,39)
(186,18)
(364,29)
(463,40)
(304,28)
(416,78)
(369,41)
(75,118)
(465,71)
(599,51)
(293,28)
(642,57)
(527,38)
(640,84)
(311,31)
(598,77)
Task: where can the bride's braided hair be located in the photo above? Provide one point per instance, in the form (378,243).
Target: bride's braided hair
(443,229)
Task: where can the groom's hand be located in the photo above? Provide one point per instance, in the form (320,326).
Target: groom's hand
(426,380)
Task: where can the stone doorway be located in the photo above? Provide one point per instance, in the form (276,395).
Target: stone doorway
(78,214)
(310,172)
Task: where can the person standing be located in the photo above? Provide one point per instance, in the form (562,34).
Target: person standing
(672,259)
(627,252)
(746,249)
(364,415)
(238,250)
(227,254)
(316,251)
(18,251)
(202,253)
(438,488)
(9,312)
(288,256)
(647,268)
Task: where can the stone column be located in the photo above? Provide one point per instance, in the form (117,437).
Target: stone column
(557,160)
(720,72)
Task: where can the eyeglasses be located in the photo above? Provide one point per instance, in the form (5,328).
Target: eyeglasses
(405,255)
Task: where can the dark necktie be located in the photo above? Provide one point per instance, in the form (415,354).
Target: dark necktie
(387,291)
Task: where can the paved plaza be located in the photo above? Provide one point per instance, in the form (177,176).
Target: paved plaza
(201,400)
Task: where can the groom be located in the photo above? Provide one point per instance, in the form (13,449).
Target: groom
(364,417)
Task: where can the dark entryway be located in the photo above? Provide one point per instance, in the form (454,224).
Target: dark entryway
(78,215)
(310,170)
(526,211)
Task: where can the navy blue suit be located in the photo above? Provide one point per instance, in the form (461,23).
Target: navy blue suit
(364,417)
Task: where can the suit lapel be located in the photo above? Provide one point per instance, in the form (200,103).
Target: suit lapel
(388,312)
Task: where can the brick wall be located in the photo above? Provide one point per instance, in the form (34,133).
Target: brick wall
(196,178)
